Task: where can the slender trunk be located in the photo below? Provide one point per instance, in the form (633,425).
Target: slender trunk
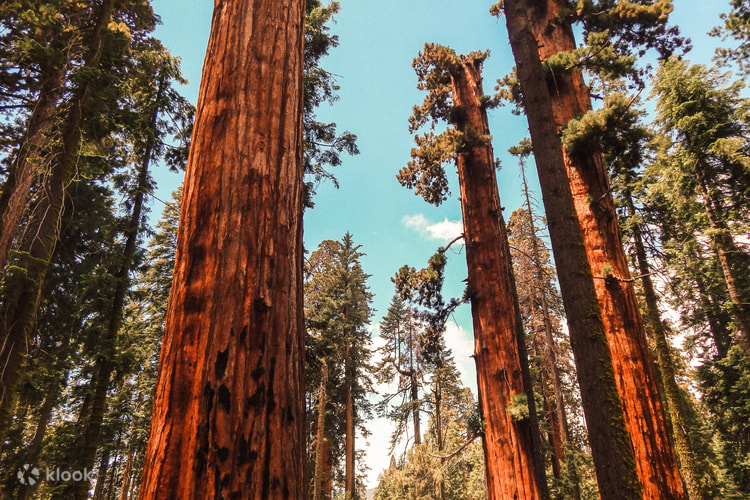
(414,390)
(101,476)
(634,368)
(439,431)
(724,247)
(45,413)
(499,346)
(85,454)
(350,478)
(321,436)
(610,443)
(16,190)
(675,402)
(126,474)
(22,286)
(229,416)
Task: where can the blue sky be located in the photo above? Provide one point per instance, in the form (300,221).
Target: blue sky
(378,41)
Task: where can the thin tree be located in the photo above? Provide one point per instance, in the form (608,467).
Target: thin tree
(228,415)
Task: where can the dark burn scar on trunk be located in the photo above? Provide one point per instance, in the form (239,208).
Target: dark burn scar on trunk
(224,397)
(220,367)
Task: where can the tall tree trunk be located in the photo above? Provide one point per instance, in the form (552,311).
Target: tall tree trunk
(724,247)
(511,464)
(634,368)
(228,416)
(45,413)
(321,436)
(350,477)
(610,443)
(414,395)
(85,453)
(681,426)
(101,476)
(560,426)
(22,286)
(16,190)
(127,474)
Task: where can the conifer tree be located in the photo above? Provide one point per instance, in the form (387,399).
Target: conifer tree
(557,99)
(229,408)
(707,123)
(455,95)
(89,112)
(337,313)
(402,361)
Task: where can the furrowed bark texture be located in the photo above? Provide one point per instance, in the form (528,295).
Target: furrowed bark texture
(17,188)
(610,442)
(228,417)
(634,368)
(509,449)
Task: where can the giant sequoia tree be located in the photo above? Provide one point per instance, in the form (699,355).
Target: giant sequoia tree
(228,415)
(455,94)
(582,173)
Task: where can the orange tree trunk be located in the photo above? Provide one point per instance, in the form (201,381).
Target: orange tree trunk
(610,442)
(228,418)
(634,368)
(511,466)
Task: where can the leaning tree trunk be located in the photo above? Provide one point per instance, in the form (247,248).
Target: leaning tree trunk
(23,285)
(16,191)
(610,442)
(512,466)
(228,418)
(725,248)
(634,368)
(681,426)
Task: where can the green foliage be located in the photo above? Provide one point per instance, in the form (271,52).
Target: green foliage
(337,312)
(426,470)
(436,66)
(736,27)
(323,145)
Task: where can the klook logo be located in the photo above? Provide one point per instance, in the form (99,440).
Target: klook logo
(28,475)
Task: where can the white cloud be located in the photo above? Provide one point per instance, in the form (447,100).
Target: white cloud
(461,343)
(446,231)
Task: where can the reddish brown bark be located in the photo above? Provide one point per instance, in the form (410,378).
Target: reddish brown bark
(610,443)
(632,362)
(512,471)
(228,417)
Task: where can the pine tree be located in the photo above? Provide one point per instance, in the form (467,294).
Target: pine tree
(229,408)
(337,313)
(708,126)
(402,361)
